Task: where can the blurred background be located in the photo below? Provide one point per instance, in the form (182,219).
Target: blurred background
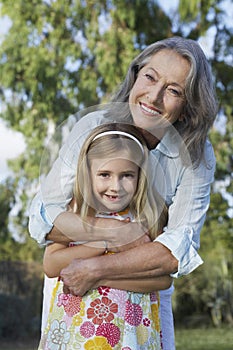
(58,57)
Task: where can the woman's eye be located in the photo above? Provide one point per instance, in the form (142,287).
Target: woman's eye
(149,76)
(174,92)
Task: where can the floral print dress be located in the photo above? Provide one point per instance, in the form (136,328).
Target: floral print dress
(103,319)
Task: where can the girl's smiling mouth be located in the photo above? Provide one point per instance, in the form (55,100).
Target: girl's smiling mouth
(112,198)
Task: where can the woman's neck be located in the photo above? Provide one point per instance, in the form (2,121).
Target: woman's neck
(151,140)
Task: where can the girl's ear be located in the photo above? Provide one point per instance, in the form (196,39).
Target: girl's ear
(181,118)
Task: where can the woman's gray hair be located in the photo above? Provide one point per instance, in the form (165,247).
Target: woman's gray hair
(201,104)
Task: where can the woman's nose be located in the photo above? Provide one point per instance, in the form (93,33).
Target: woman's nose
(155,94)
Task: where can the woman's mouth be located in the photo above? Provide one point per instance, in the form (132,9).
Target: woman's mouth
(150,110)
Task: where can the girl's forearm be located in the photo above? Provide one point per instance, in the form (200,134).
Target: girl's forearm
(57,256)
(146,285)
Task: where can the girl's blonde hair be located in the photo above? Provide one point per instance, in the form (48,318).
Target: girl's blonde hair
(147,206)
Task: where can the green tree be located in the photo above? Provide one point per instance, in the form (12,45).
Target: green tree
(59,57)
(12,246)
(210,287)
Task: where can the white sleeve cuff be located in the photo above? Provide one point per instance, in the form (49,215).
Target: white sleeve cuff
(182,247)
(38,226)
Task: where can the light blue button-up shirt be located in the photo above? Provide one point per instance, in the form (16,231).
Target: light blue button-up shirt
(186,190)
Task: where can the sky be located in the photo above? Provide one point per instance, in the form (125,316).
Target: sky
(12,143)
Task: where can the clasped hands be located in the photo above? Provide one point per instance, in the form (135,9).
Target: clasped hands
(83,275)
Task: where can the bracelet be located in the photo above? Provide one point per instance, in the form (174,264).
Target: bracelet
(106,247)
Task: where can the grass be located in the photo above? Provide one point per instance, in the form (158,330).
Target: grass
(186,339)
(204,339)
(29,344)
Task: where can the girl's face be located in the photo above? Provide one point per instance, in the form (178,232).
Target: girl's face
(157,98)
(114,182)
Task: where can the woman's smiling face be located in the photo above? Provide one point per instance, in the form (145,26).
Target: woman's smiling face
(157,98)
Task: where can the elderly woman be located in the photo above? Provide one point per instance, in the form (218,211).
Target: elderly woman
(168,92)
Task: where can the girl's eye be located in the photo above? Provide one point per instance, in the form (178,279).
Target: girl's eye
(129,175)
(103,175)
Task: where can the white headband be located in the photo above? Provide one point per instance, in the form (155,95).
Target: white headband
(115,132)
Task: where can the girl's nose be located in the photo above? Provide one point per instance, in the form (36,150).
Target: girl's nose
(115,184)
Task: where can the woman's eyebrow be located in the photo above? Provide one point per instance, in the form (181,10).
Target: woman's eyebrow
(172,82)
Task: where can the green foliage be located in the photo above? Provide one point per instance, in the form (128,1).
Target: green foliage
(6,203)
(191,9)
(21,248)
(223,151)
(210,287)
(197,16)
(59,57)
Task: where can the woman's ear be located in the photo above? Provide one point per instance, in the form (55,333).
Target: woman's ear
(181,118)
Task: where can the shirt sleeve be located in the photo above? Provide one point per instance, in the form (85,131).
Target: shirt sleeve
(56,190)
(39,225)
(187,213)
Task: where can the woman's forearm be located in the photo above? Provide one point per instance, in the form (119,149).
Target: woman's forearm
(145,262)
(68,226)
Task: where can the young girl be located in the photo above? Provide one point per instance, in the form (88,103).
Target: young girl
(112,181)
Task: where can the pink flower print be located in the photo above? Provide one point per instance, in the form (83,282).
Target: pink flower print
(103,290)
(71,303)
(109,331)
(146,322)
(133,313)
(63,299)
(87,329)
(153,297)
(102,310)
(119,297)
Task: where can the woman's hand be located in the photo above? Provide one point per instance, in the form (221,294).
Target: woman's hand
(122,235)
(121,248)
(78,277)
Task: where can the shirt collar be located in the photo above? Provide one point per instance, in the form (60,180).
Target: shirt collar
(170,144)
